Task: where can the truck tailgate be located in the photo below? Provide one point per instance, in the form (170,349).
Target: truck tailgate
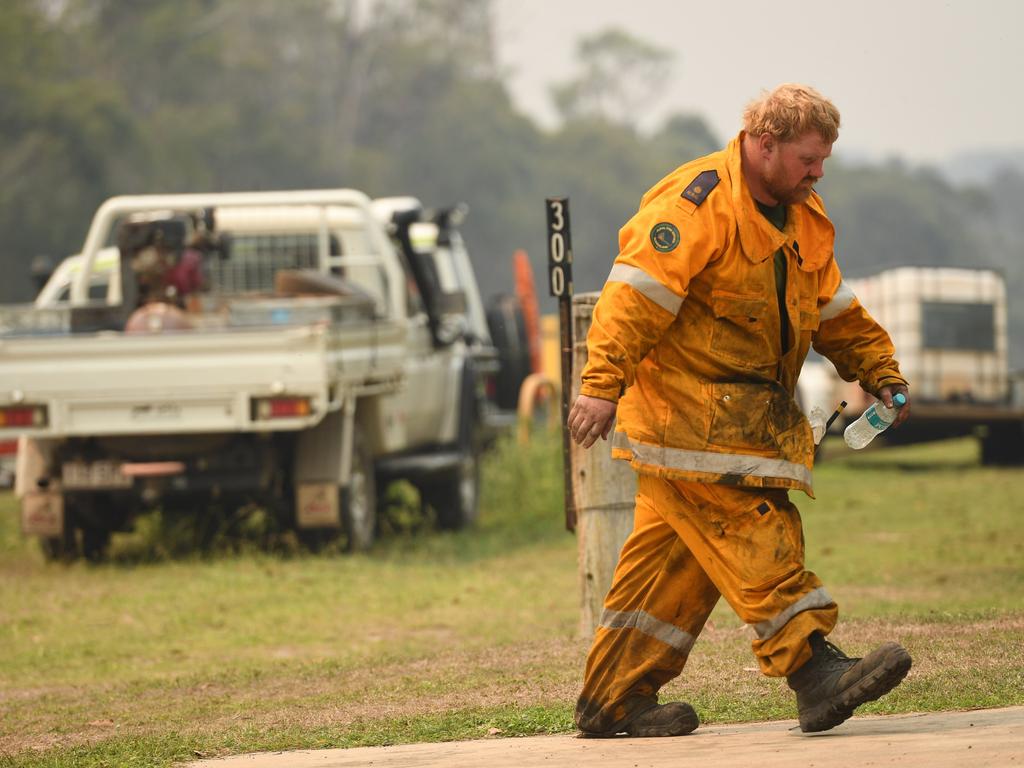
(114,383)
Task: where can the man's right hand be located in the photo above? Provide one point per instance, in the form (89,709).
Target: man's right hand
(591,418)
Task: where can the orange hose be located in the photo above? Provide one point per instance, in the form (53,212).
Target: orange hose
(526,292)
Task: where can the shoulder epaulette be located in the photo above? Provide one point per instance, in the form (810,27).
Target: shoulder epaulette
(701,187)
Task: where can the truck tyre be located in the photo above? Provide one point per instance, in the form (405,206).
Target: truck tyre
(82,536)
(455,493)
(507,326)
(359,499)
(95,543)
(60,549)
(1003,445)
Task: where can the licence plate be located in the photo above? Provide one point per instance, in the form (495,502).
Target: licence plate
(93,475)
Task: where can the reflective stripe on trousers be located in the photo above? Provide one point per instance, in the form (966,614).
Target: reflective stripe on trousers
(691,544)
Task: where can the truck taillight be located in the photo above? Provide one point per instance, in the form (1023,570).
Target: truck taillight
(22,416)
(265,408)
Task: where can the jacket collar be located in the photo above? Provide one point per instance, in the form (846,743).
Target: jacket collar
(807,226)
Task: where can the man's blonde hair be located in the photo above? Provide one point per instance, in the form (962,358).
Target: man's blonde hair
(790,111)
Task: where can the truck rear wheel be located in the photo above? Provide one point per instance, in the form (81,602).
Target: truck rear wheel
(1003,444)
(95,543)
(455,493)
(60,549)
(85,532)
(359,500)
(66,549)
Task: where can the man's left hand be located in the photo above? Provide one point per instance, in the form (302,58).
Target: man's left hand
(886,393)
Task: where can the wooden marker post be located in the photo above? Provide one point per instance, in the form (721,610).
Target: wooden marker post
(603,491)
(560,286)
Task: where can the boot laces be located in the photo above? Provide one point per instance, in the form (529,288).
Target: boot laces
(832,657)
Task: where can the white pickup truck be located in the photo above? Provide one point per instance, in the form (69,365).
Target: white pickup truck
(281,348)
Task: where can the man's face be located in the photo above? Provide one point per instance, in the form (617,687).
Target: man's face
(792,168)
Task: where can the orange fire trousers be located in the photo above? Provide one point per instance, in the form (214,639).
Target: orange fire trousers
(691,544)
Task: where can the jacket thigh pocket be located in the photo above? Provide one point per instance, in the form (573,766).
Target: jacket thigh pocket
(741,417)
(762,538)
(776,547)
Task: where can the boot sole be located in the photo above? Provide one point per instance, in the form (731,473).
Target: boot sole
(685,723)
(873,686)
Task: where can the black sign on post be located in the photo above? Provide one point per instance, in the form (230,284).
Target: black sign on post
(560,286)
(559,248)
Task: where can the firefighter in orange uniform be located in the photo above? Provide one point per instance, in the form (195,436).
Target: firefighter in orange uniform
(724,279)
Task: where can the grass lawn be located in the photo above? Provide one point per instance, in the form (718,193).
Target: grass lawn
(149,659)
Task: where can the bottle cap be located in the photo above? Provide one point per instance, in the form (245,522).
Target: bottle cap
(899,398)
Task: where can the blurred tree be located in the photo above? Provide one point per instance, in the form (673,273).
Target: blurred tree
(1007,196)
(684,137)
(102,97)
(487,157)
(891,216)
(461,31)
(620,75)
(67,141)
(220,90)
(604,168)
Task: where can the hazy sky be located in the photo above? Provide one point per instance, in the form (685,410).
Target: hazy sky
(924,80)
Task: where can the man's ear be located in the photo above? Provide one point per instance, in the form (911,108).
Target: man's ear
(766,145)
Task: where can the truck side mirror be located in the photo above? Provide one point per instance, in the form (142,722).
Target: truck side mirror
(41,269)
(452,303)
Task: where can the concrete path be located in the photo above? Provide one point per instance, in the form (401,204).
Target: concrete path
(990,738)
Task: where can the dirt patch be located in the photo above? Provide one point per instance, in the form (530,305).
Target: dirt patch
(310,697)
(314,695)
(983,739)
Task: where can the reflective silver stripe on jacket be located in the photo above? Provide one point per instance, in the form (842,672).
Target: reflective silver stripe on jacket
(841,300)
(817,598)
(642,621)
(713,463)
(647,285)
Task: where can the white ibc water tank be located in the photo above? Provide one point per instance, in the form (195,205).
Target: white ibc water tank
(949,329)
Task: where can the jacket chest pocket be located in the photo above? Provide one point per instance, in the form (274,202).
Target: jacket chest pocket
(808,297)
(741,331)
(810,314)
(810,318)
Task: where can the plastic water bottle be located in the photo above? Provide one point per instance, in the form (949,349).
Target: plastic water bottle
(873,421)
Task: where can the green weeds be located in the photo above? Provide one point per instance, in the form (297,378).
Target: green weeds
(164,656)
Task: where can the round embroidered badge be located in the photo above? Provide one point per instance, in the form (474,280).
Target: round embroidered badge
(664,236)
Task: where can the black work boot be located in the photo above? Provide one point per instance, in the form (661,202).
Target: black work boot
(673,719)
(831,685)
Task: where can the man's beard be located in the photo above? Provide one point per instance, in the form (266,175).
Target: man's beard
(789,195)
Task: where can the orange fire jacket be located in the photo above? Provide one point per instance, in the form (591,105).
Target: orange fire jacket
(687,331)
